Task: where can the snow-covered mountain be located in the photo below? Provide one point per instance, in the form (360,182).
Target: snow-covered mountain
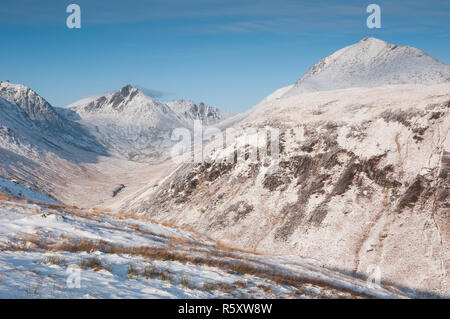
(134,125)
(29,116)
(190,111)
(361,186)
(362,178)
(37,145)
(370,63)
(35,107)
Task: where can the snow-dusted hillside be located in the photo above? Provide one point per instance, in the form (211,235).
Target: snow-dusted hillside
(35,107)
(362,182)
(131,124)
(52,251)
(15,189)
(370,63)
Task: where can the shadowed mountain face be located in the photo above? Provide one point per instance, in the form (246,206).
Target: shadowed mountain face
(32,120)
(370,63)
(38,147)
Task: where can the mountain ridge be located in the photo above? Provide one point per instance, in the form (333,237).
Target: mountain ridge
(186,110)
(137,126)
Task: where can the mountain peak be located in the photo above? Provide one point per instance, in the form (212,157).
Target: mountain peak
(127,89)
(35,106)
(7,85)
(371,39)
(372,62)
(126,93)
(117,100)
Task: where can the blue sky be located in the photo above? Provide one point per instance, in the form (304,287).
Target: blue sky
(227,53)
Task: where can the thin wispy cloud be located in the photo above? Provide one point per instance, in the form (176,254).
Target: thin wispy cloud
(157,94)
(229,53)
(231,16)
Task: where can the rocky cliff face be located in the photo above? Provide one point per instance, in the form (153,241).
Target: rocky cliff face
(362,182)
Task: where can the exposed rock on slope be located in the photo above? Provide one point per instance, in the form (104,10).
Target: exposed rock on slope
(362,182)
(370,63)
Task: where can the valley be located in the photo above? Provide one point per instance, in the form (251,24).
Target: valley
(359,186)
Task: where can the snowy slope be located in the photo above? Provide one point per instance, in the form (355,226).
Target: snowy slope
(362,178)
(362,182)
(17,190)
(37,145)
(36,108)
(127,106)
(370,63)
(126,256)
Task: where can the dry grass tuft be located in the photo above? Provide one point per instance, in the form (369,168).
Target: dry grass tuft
(266,289)
(54,260)
(93,263)
(219,286)
(166,223)
(150,272)
(240,284)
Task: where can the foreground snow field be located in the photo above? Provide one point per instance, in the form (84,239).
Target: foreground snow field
(118,255)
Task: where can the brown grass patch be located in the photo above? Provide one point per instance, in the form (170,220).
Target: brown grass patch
(93,263)
(266,289)
(153,253)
